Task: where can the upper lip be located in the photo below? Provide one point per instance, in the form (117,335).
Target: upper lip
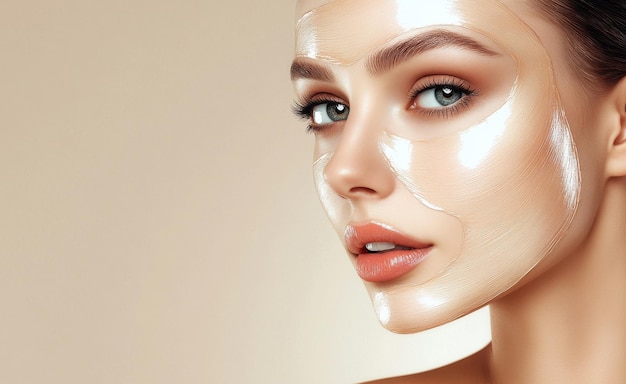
(357,236)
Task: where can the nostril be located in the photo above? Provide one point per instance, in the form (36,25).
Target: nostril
(362,190)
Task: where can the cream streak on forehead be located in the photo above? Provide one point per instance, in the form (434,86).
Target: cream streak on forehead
(344,31)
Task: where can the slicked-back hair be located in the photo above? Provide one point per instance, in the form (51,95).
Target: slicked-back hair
(596,35)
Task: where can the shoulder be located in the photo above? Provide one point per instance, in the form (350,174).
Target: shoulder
(470,370)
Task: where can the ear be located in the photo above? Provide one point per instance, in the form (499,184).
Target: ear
(616,162)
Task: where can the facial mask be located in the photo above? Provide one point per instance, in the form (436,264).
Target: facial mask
(506,171)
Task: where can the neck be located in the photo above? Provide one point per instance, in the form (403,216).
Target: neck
(569,325)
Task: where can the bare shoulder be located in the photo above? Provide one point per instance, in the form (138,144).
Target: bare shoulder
(471,370)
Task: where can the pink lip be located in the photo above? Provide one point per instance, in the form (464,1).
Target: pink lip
(383,266)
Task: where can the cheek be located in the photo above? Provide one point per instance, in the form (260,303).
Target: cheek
(513,185)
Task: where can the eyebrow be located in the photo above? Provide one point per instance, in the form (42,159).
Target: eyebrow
(306,69)
(388,58)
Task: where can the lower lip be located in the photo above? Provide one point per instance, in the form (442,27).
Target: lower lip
(385,266)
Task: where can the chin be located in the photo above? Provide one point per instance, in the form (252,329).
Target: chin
(405,310)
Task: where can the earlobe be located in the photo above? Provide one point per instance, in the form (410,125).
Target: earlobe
(616,164)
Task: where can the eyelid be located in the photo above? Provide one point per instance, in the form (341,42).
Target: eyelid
(439,80)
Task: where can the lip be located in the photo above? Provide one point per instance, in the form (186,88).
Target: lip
(383,266)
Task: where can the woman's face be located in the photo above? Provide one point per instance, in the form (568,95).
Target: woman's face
(445,152)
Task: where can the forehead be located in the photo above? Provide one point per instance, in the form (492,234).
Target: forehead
(343,31)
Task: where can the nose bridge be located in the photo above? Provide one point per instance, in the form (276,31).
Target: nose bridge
(358,167)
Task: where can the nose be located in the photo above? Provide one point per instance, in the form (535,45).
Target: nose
(358,169)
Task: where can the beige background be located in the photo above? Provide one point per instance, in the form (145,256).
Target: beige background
(157,217)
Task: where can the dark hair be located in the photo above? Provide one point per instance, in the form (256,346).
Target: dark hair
(596,35)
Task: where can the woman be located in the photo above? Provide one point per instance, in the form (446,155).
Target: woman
(473,152)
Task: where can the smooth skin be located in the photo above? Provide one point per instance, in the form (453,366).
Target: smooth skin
(565,322)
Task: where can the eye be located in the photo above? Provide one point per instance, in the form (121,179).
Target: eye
(328,113)
(439,96)
(320,112)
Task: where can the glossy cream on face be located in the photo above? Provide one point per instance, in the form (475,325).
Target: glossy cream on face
(510,178)
(320,30)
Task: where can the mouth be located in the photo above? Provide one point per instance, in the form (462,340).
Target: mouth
(383,253)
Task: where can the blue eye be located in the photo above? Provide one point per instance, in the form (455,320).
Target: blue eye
(440,96)
(328,113)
